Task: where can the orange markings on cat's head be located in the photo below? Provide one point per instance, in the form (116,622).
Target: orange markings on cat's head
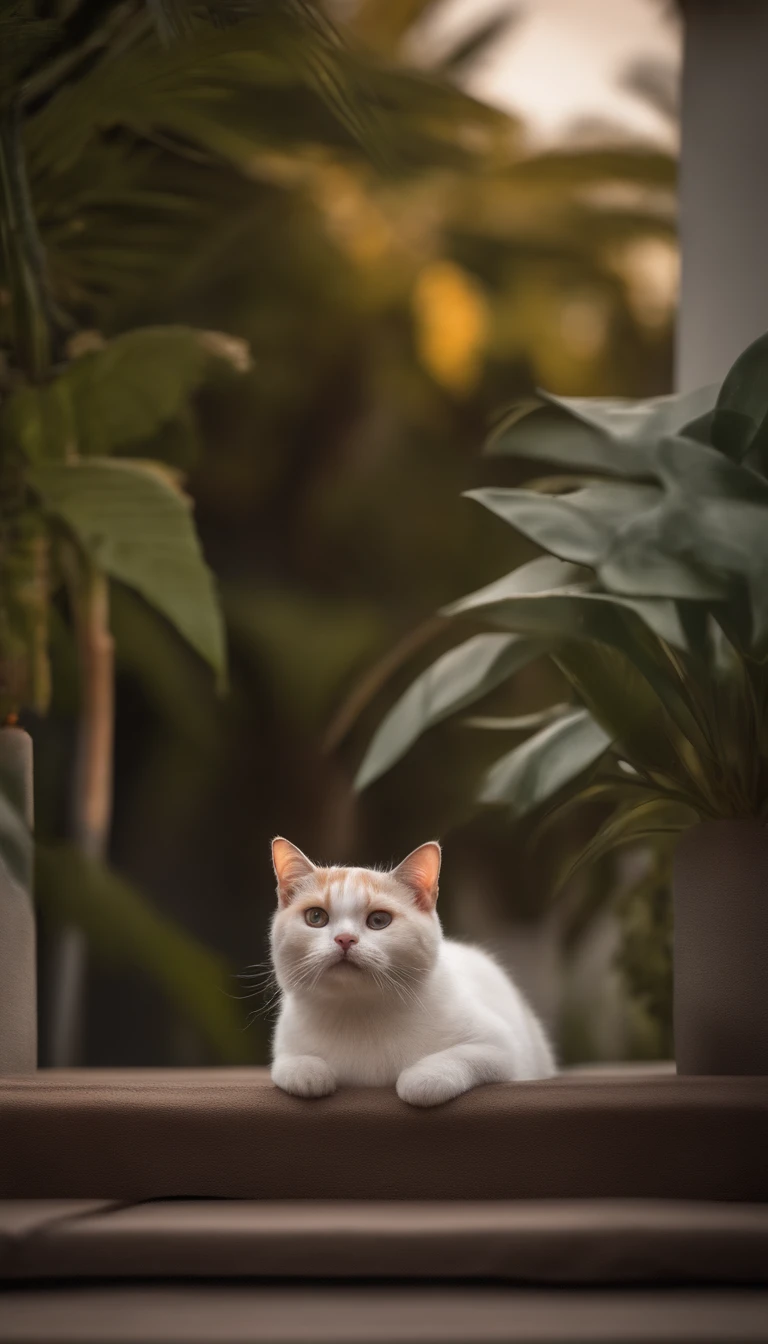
(419,873)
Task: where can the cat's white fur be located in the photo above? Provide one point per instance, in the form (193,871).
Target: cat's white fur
(400,1006)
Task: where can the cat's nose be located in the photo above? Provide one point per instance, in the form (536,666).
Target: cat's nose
(345,941)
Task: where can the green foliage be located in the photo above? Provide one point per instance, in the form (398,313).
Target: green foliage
(134,524)
(458,679)
(24,39)
(670,558)
(645,955)
(546,763)
(632,823)
(604,435)
(24,564)
(130,521)
(120,394)
(124,930)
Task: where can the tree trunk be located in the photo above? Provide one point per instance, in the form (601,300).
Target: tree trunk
(92,800)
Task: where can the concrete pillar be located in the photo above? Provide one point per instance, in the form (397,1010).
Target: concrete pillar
(18,979)
(723,186)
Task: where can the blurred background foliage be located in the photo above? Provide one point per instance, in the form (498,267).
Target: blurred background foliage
(401,263)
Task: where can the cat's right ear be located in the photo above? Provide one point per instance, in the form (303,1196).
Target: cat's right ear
(290,867)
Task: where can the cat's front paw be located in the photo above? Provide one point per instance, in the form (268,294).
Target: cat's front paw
(430,1083)
(303,1076)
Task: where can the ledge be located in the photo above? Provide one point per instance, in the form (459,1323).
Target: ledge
(518,1241)
(139,1135)
(244,1313)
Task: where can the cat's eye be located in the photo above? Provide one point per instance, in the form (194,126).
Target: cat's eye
(379,919)
(316,917)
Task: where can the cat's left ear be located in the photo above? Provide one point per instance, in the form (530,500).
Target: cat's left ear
(290,866)
(420,872)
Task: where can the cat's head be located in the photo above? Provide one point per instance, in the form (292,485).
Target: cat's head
(355,931)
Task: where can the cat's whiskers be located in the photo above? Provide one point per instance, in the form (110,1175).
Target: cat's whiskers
(263,1008)
(260,981)
(402,981)
(386,979)
(307,971)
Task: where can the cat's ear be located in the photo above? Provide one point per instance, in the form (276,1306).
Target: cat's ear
(290,866)
(420,871)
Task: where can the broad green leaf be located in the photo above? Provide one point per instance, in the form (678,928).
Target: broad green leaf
(575,616)
(699,627)
(536,576)
(457,679)
(622,700)
(695,468)
(570,612)
(579,527)
(637,422)
(660,669)
(742,405)
(700,429)
(591,434)
(633,824)
(137,527)
(126,392)
(545,433)
(120,395)
(706,538)
(536,770)
(652,557)
(642,540)
(122,927)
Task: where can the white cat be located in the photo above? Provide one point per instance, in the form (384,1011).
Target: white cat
(373,995)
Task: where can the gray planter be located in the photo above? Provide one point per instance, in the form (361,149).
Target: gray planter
(720,890)
(18,980)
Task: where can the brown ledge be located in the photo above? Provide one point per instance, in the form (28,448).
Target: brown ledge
(133,1135)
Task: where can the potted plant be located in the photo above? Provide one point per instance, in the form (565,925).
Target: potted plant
(652,600)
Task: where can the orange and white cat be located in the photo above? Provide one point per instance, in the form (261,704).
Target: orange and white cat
(372,994)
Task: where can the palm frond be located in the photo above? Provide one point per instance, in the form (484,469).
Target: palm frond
(24,39)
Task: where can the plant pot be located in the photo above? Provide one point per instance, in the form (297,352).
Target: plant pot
(720,893)
(18,978)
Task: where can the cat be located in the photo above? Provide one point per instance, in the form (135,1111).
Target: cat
(372,994)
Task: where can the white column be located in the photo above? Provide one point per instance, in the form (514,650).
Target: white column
(723,186)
